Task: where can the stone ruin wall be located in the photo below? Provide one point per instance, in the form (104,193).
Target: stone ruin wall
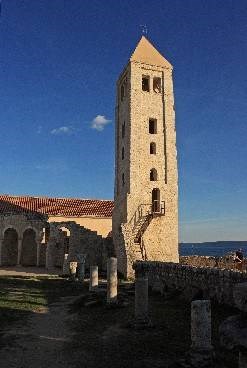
(33,249)
(81,241)
(103,225)
(192,282)
(17,232)
(209,261)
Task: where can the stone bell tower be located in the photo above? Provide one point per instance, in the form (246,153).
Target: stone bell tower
(145,216)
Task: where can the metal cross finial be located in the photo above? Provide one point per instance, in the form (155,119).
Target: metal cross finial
(144,29)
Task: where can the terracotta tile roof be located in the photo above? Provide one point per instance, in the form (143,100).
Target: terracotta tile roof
(56,206)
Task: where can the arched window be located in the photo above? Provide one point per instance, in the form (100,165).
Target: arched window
(123,153)
(157,85)
(156,200)
(145,83)
(10,247)
(153,175)
(66,233)
(152,126)
(152,148)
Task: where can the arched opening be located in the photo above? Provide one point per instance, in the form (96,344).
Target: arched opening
(156,200)
(157,85)
(62,246)
(152,148)
(153,175)
(145,83)
(29,248)
(66,233)
(10,248)
(152,126)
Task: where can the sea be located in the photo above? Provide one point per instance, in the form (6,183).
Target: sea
(216,249)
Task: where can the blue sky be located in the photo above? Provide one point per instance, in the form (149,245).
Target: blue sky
(59,61)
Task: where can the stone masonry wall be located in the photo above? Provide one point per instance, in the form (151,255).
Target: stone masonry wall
(134,110)
(102,225)
(192,282)
(81,241)
(11,250)
(225,262)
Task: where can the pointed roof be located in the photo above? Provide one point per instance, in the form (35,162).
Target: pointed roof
(146,53)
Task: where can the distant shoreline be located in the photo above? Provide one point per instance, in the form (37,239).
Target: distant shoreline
(235,243)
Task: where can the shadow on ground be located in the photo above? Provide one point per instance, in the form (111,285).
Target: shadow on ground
(99,336)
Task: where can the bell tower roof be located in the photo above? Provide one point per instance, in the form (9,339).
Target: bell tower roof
(146,53)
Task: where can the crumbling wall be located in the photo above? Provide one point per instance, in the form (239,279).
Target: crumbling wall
(81,241)
(192,282)
(225,262)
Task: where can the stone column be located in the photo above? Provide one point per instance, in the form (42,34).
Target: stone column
(66,265)
(1,246)
(201,347)
(38,254)
(72,270)
(93,282)
(19,251)
(141,299)
(49,264)
(81,271)
(112,280)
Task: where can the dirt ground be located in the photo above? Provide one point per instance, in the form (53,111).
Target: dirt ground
(74,328)
(27,271)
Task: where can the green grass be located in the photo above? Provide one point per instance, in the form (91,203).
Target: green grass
(22,296)
(105,337)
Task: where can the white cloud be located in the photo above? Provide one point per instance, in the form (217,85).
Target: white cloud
(61,130)
(39,130)
(99,122)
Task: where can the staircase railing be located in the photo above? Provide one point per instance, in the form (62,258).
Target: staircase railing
(141,220)
(143,210)
(158,207)
(155,208)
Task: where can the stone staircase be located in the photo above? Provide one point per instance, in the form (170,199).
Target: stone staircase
(141,226)
(142,218)
(138,231)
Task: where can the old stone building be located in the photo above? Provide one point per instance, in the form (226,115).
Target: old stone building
(145,215)
(38,231)
(21,237)
(93,214)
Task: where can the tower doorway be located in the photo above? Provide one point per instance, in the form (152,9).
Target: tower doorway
(155,200)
